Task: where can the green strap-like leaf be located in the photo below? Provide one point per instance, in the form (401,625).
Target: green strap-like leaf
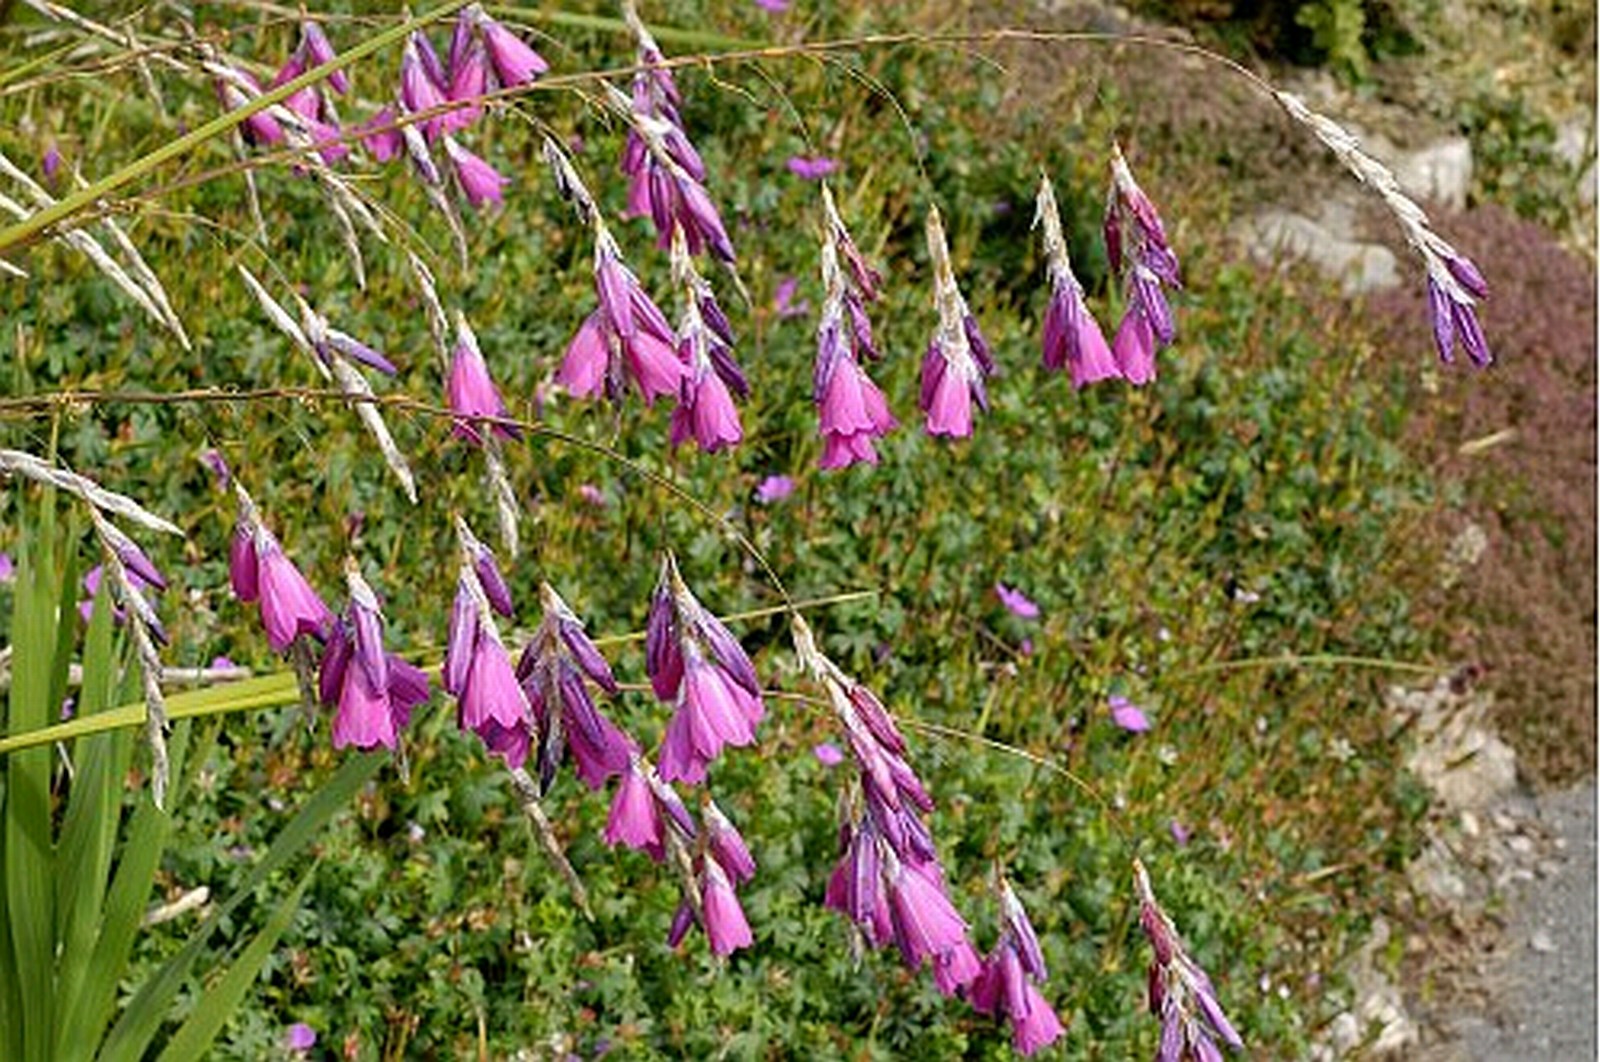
(29,851)
(143,843)
(142,1018)
(94,811)
(194,1036)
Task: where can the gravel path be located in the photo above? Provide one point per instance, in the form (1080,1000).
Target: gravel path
(1543,981)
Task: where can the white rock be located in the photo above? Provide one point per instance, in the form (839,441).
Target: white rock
(1440,173)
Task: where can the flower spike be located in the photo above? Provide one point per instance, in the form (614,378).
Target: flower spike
(1181,995)
(697,665)
(958,357)
(1136,243)
(1072,338)
(851,409)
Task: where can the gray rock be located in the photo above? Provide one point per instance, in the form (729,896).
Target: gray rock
(1274,235)
(1441,172)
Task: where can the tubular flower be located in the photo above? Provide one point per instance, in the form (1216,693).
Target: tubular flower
(1007,986)
(851,410)
(552,672)
(259,571)
(374,691)
(423,82)
(627,337)
(480,182)
(1072,338)
(958,357)
(925,923)
(472,394)
(477,671)
(646,814)
(1181,995)
(1136,243)
(697,665)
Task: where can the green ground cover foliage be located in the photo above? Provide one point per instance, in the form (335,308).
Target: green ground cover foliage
(1262,460)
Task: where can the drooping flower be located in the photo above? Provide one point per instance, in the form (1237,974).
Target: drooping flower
(726,844)
(627,337)
(1136,243)
(552,671)
(726,927)
(1454,288)
(925,923)
(1182,997)
(480,182)
(315,50)
(472,394)
(423,82)
(373,690)
(514,62)
(958,358)
(477,670)
(259,571)
(1072,338)
(1016,602)
(698,666)
(1127,715)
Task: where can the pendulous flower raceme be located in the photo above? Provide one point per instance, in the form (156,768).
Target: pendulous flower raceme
(888,882)
(958,356)
(1008,986)
(1136,244)
(373,691)
(552,670)
(1181,995)
(477,671)
(1072,337)
(851,410)
(711,376)
(698,666)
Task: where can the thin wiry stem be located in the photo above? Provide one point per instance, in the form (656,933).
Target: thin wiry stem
(82,201)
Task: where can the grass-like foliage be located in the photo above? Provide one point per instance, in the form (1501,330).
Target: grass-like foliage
(1117,626)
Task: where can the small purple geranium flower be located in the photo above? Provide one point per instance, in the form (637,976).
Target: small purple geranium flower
(773,7)
(1127,715)
(813,168)
(1016,602)
(8,569)
(784,303)
(828,754)
(299,1037)
(774,489)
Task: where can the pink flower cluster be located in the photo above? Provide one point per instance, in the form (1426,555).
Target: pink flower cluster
(697,666)
(891,886)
